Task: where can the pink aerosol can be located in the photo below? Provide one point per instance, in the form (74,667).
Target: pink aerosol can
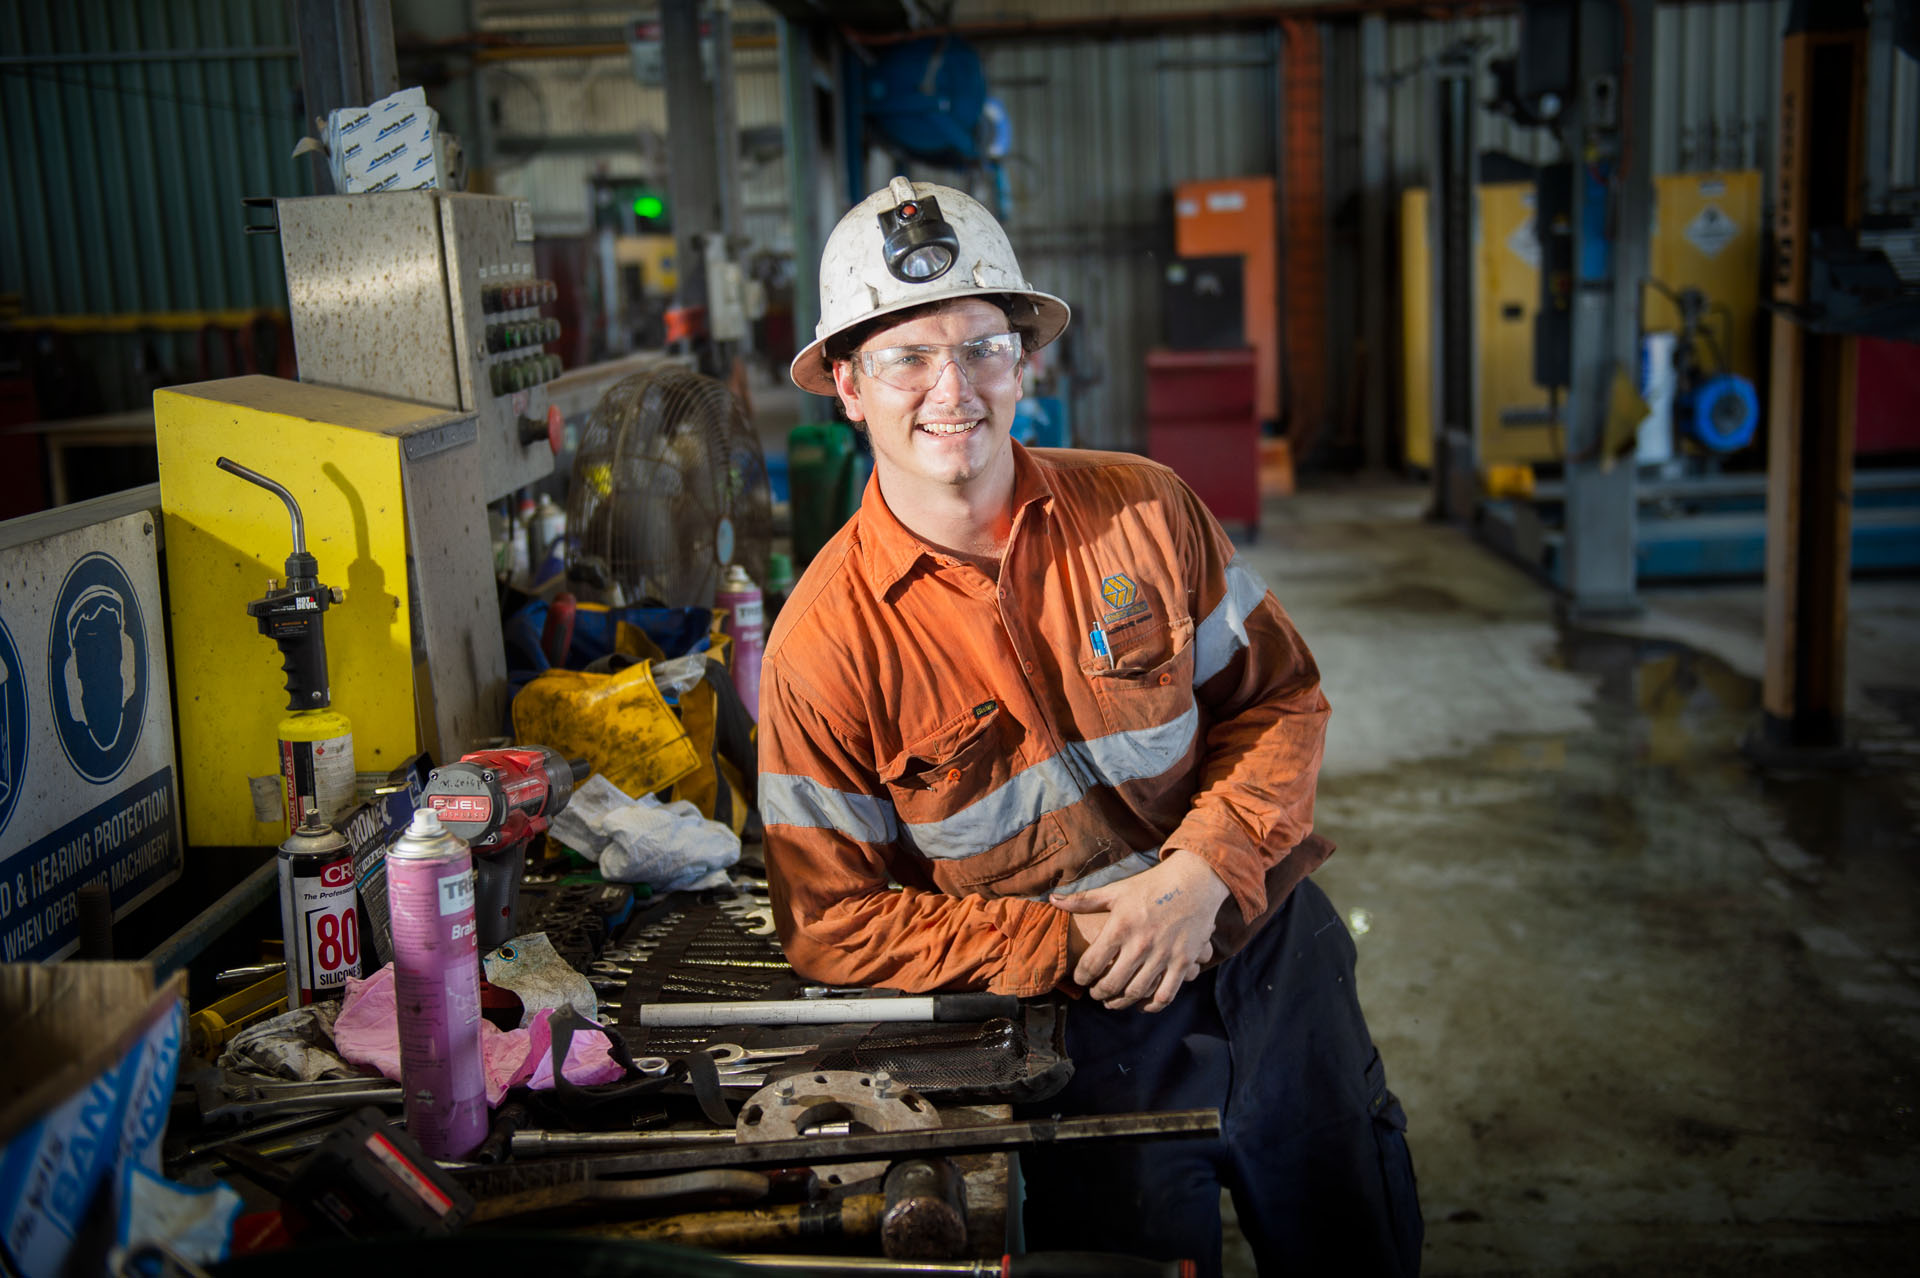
(748,626)
(436,976)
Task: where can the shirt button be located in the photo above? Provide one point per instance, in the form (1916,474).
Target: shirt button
(1027,666)
(1165,679)
(953,774)
(1003,592)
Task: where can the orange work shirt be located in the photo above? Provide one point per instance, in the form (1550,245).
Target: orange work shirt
(940,751)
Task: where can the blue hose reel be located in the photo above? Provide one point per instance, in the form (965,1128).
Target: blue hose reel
(1721,413)
(925,98)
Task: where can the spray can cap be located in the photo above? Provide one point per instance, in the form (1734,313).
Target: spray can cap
(425,824)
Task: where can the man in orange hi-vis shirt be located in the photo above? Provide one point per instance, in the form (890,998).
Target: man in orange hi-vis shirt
(1028,724)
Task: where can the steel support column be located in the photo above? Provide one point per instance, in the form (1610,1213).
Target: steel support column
(1612,148)
(692,184)
(346,59)
(810,178)
(1452,219)
(1810,404)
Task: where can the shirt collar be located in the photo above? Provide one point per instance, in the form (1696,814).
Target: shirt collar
(892,550)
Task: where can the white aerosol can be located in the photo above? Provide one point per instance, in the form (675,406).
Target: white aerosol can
(319,922)
(436,976)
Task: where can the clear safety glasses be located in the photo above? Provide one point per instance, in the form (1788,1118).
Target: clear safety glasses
(984,361)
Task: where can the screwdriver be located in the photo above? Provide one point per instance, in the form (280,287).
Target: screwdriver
(1036,1264)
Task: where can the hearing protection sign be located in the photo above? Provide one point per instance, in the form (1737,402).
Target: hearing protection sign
(86,731)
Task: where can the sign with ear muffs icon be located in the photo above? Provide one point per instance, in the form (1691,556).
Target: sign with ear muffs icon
(13,726)
(97,658)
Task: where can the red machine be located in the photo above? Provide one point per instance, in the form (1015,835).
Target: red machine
(497,800)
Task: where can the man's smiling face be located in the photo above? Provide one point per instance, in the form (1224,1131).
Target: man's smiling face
(954,434)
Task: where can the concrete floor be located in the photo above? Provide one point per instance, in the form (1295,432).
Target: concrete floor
(1649,1010)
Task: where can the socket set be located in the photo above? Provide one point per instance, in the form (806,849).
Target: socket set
(578,915)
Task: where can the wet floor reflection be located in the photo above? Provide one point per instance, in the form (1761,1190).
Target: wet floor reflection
(1649,1005)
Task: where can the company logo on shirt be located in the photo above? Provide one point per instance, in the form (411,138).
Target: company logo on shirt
(1120,592)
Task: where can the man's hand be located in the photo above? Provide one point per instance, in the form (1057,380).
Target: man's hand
(1155,933)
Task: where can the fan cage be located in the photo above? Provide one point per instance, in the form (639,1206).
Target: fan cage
(669,486)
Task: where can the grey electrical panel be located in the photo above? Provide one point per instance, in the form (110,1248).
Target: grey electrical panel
(430,296)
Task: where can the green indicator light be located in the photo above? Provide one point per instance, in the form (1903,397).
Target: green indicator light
(649,206)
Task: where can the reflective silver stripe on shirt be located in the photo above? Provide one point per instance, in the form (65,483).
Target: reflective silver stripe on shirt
(1145,752)
(1224,632)
(997,816)
(1057,783)
(1125,868)
(802,801)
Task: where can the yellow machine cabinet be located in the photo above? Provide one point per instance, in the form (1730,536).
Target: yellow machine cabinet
(391,495)
(1706,234)
(1515,416)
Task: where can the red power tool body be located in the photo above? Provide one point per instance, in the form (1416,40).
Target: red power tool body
(497,800)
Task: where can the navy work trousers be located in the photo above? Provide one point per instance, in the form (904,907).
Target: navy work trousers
(1312,1146)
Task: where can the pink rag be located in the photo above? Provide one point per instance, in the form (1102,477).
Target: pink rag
(368,1033)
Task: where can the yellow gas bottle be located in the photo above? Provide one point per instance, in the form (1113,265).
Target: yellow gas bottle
(316,761)
(316,741)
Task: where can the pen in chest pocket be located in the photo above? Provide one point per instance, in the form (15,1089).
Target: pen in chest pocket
(1100,649)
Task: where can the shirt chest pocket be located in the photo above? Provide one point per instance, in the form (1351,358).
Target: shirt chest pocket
(1148,682)
(950,767)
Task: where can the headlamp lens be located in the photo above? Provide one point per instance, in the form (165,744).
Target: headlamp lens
(925,262)
(920,244)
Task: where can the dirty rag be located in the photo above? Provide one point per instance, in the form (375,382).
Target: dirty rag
(368,1033)
(530,967)
(668,846)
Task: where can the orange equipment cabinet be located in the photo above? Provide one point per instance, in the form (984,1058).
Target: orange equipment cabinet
(1235,215)
(1202,422)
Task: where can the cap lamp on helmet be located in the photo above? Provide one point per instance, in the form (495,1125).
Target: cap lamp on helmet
(920,245)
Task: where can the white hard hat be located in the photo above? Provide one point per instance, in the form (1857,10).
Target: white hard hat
(908,244)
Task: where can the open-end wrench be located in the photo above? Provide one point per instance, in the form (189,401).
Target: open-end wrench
(226,1096)
(608,967)
(725,1054)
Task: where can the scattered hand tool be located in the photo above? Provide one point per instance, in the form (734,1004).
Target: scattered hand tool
(926,1214)
(923,1007)
(538,1144)
(237,976)
(734,1054)
(528,1144)
(1034,1264)
(654,1194)
(228,1097)
(370,1178)
(1178,1124)
(210,1028)
(497,800)
(855,1216)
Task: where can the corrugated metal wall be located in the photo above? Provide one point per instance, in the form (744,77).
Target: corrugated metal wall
(1102,133)
(132,131)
